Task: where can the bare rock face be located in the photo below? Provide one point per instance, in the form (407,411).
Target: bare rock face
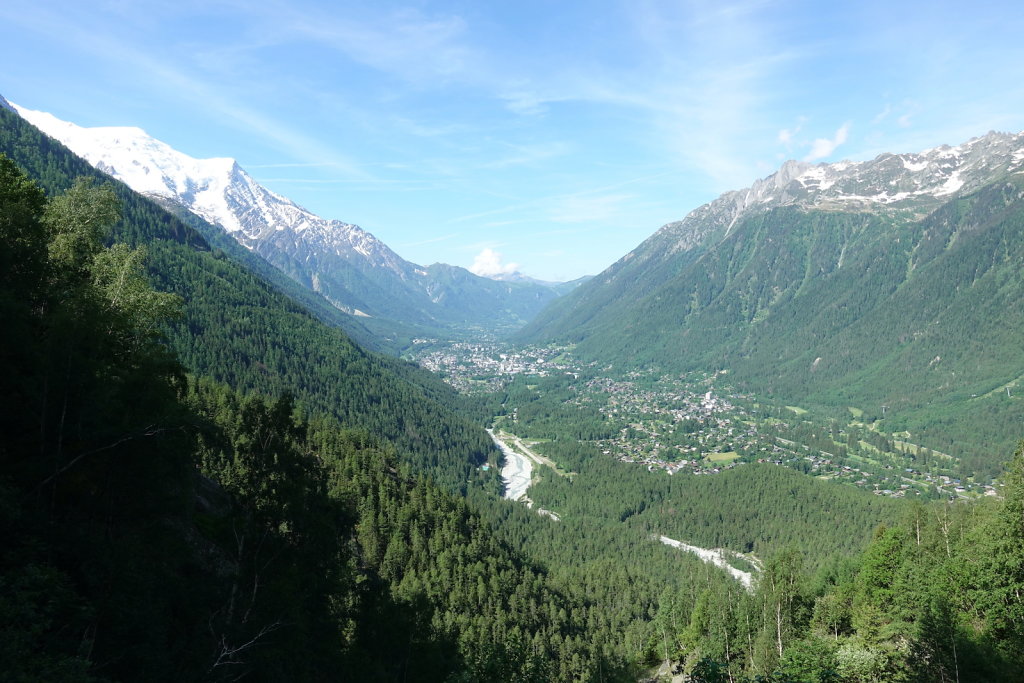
(915,182)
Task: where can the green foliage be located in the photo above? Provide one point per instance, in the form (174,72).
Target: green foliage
(78,221)
(932,598)
(91,460)
(21,205)
(422,589)
(754,508)
(829,308)
(237,328)
(997,587)
(302,551)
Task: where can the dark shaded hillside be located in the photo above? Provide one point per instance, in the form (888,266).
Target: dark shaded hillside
(161,528)
(239,329)
(922,316)
(217,238)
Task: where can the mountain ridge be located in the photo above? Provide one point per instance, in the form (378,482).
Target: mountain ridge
(348,266)
(836,297)
(920,179)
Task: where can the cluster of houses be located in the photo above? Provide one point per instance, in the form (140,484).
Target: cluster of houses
(478,366)
(890,481)
(676,428)
(679,425)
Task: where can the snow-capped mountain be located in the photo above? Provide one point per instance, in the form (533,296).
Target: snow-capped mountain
(892,282)
(917,182)
(218,190)
(347,265)
(895,189)
(892,187)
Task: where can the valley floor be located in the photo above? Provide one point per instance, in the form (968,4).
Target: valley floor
(697,424)
(517,470)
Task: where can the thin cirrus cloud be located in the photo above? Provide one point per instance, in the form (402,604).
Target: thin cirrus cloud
(288,139)
(588,209)
(435,50)
(406,44)
(432,240)
(426,118)
(596,202)
(523,155)
(171,79)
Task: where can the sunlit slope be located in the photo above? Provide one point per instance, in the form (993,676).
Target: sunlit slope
(922,315)
(240,329)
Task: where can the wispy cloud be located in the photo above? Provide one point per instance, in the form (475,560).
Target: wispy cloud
(562,204)
(787,135)
(710,82)
(406,44)
(296,143)
(432,240)
(524,155)
(824,147)
(303,164)
(587,209)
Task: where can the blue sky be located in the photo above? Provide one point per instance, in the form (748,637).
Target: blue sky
(549,136)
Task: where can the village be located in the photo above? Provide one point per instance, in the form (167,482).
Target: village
(693,424)
(474,367)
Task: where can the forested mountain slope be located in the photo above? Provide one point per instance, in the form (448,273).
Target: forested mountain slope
(916,307)
(341,263)
(164,529)
(237,328)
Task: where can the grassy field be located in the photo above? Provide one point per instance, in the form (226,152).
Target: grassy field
(728,456)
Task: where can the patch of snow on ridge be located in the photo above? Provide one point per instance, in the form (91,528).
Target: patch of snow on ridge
(954,183)
(898,197)
(816,178)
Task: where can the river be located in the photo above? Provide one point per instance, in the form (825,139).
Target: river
(715,556)
(517,471)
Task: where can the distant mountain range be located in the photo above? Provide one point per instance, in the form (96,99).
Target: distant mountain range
(348,266)
(560,287)
(892,286)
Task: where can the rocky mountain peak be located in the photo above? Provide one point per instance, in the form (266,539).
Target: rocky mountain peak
(349,267)
(217,189)
(915,181)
